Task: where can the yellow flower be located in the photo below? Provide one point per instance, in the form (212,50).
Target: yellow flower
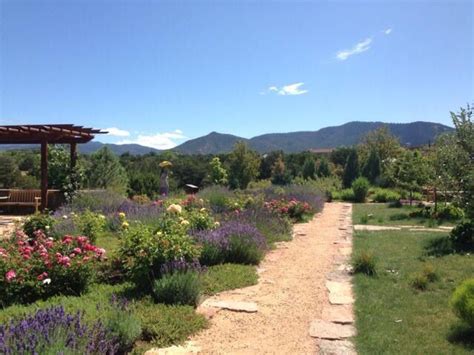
(101,216)
(125,225)
(174,208)
(121,215)
(203,210)
(217,224)
(184,222)
(159,233)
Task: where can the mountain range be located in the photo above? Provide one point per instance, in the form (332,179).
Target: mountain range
(410,134)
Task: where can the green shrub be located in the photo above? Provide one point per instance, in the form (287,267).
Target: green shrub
(419,282)
(121,322)
(385,195)
(360,187)
(365,263)
(344,195)
(179,288)
(462,236)
(90,224)
(450,212)
(39,221)
(462,302)
(244,251)
(165,325)
(430,273)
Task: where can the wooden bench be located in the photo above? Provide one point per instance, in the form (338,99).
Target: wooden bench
(20,198)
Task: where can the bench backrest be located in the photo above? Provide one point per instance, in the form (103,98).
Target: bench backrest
(23,195)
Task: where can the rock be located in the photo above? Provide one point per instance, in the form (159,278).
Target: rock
(338,314)
(338,347)
(188,348)
(339,292)
(328,330)
(342,276)
(236,306)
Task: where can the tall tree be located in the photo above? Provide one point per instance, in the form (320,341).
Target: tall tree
(309,168)
(386,145)
(280,176)
(218,173)
(8,171)
(244,165)
(351,169)
(410,172)
(106,172)
(372,169)
(323,168)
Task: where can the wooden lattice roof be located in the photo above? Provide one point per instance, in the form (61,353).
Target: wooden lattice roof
(50,133)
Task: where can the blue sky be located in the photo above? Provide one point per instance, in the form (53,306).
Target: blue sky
(160,72)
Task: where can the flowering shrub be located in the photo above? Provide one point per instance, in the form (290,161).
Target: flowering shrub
(90,224)
(33,268)
(294,209)
(53,331)
(144,250)
(200,220)
(43,222)
(233,242)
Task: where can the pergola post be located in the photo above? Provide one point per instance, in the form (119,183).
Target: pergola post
(44,175)
(73,156)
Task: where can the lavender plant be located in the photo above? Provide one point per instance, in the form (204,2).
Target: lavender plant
(53,331)
(233,242)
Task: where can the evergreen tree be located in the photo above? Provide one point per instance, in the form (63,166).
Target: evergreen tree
(372,168)
(279,174)
(309,168)
(351,169)
(323,168)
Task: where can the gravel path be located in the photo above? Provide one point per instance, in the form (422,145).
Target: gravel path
(290,294)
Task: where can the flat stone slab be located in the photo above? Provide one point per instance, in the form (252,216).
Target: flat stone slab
(372,228)
(208,312)
(235,306)
(336,347)
(188,348)
(342,276)
(428,230)
(340,292)
(342,314)
(332,331)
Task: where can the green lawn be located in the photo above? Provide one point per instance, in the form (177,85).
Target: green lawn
(394,318)
(382,214)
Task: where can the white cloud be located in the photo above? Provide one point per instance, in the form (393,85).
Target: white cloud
(387,31)
(290,89)
(357,49)
(117,132)
(165,140)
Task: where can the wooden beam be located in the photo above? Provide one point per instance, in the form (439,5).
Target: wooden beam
(44,175)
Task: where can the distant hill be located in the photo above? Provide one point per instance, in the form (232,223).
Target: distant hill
(410,134)
(213,143)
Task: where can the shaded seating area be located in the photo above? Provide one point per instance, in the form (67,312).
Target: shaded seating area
(42,135)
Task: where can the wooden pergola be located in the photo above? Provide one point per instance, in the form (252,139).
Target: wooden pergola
(44,135)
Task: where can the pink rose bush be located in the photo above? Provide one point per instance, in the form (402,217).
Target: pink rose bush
(294,209)
(39,267)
